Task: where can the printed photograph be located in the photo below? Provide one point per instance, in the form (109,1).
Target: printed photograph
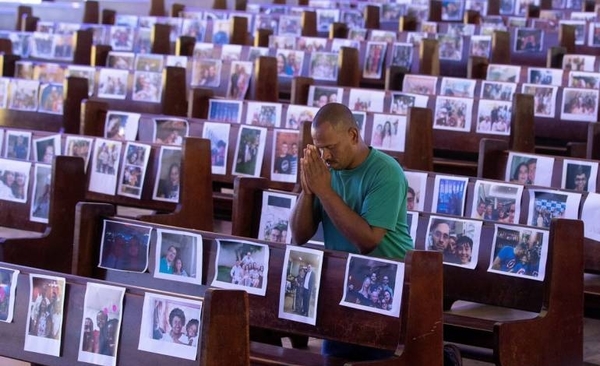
(231,52)
(450,46)
(529,40)
(323,66)
(239,79)
(40,196)
(113,83)
(121,125)
(544,99)
(8,286)
(297,114)
(520,252)
(177,61)
(51,73)
(42,45)
(529,169)
(457,239)
(206,72)
(229,111)
(281,42)
(415,196)
(449,195)
(452,10)
(167,184)
(121,37)
(373,284)
(579,175)
(249,151)
(318,96)
(544,205)
(105,165)
(302,269)
(221,31)
(401,102)
(389,132)
(590,215)
(584,80)
(275,217)
(79,146)
(544,76)
(17,145)
(263,114)
(379,35)
(505,73)
(579,63)
(124,246)
(149,63)
(51,98)
(289,62)
(579,105)
(170,131)
(242,265)
(402,55)
(147,86)
(120,60)
(594,35)
(23,94)
(170,326)
(290,25)
(285,156)
(45,314)
(494,117)
(419,84)
(497,202)
(178,256)
(453,114)
(218,134)
(102,316)
(375,55)
(4,82)
(481,46)
(133,172)
(86,72)
(496,90)
(457,87)
(366,100)
(14,180)
(311,44)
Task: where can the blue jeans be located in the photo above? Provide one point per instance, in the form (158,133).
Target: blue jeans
(354,352)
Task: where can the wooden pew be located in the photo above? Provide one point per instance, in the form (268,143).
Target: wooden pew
(222,311)
(421,302)
(51,242)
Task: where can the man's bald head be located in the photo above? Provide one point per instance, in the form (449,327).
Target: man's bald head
(338,115)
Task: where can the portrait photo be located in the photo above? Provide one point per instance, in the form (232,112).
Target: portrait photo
(389,132)
(249,151)
(419,84)
(594,35)
(255,52)
(450,46)
(229,111)
(285,156)
(113,83)
(239,79)
(14,180)
(402,55)
(519,251)
(457,239)
(318,95)
(101,324)
(263,114)
(544,76)
(579,175)
(497,90)
(453,114)
(124,246)
(579,105)
(544,99)
(218,134)
(147,86)
(497,202)
(366,100)
(23,94)
(206,72)
(46,148)
(529,40)
(373,284)
(40,196)
(105,165)
(17,145)
(323,66)
(149,62)
(449,195)
(275,217)
(170,326)
(45,314)
(289,62)
(79,146)
(481,46)
(301,270)
(242,265)
(401,102)
(375,55)
(8,286)
(455,87)
(338,43)
(121,37)
(178,256)
(590,215)
(326,17)
(120,60)
(544,205)
(167,184)
(133,172)
(170,131)
(417,183)
(452,10)
(121,125)
(51,98)
(221,31)
(529,169)
(290,25)
(494,117)
(504,73)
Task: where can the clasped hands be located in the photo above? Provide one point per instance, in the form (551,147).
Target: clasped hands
(315,177)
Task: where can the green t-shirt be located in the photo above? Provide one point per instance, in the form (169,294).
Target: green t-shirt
(376,190)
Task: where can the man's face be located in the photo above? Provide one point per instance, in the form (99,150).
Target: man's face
(335,145)
(531,167)
(101,319)
(171,254)
(580,181)
(295,149)
(481,209)
(441,235)
(410,201)
(284,149)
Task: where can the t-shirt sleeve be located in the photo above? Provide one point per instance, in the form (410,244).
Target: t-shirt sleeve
(384,198)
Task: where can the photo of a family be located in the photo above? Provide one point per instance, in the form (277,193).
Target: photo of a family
(497,202)
(242,265)
(178,256)
(275,217)
(388,132)
(457,239)
(124,246)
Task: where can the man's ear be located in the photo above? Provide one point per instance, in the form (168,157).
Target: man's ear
(354,134)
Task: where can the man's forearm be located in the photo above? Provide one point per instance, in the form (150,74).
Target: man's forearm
(302,221)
